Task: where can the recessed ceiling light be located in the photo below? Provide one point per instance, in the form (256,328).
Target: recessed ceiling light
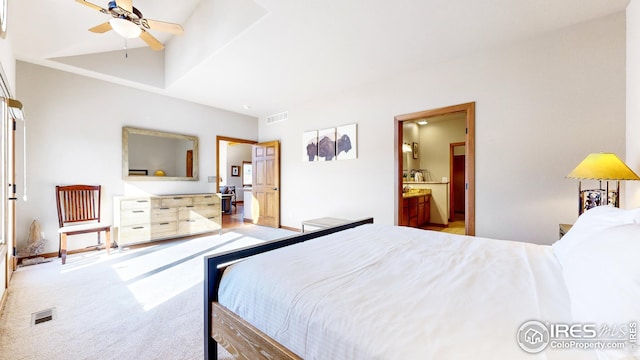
(246,107)
(422,122)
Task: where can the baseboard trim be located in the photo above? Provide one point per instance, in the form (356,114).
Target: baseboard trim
(69,252)
(3,300)
(5,286)
(291,228)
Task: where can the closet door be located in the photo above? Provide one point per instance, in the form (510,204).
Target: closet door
(8,206)
(9,187)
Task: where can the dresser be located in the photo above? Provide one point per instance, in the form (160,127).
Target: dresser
(143,219)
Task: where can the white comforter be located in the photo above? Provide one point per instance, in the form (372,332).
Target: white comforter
(387,292)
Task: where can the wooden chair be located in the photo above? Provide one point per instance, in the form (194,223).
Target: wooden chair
(79,213)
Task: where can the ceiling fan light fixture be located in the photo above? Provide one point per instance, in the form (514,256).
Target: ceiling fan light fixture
(125,28)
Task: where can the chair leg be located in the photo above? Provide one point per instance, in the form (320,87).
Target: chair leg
(108,240)
(63,247)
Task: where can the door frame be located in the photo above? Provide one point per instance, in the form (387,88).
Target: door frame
(229,139)
(469,110)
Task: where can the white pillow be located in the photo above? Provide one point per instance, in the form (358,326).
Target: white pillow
(593,220)
(602,276)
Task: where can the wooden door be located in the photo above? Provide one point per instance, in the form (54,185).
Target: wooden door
(265,205)
(457,184)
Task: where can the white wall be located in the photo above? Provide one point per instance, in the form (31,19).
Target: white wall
(541,106)
(631,195)
(74,136)
(435,139)
(8,61)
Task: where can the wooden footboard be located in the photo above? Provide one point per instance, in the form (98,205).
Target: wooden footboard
(243,340)
(229,330)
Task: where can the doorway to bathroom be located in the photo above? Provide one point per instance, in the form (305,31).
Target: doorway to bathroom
(467,111)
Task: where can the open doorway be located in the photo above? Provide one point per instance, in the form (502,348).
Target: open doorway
(468,110)
(231,155)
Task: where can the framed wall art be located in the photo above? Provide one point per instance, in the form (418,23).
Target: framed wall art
(327,144)
(310,146)
(347,142)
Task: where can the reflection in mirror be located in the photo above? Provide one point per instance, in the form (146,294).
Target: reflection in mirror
(156,155)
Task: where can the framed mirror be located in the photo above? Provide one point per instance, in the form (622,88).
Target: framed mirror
(149,155)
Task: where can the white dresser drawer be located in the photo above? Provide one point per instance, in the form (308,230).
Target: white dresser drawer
(177,201)
(196,212)
(135,216)
(164,229)
(141,203)
(206,199)
(133,233)
(198,226)
(141,233)
(164,214)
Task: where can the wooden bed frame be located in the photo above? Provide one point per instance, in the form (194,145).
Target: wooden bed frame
(224,327)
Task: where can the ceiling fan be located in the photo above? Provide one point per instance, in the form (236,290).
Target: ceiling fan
(129,23)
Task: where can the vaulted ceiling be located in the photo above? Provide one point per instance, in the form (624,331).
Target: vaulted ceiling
(259,57)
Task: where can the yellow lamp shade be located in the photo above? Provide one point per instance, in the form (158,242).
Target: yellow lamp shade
(159,173)
(602,166)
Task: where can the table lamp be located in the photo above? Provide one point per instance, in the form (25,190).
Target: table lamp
(600,166)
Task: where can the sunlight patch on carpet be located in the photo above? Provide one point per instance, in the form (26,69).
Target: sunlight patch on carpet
(178,267)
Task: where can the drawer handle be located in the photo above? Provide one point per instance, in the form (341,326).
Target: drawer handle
(190,206)
(142,201)
(208,197)
(164,223)
(138,227)
(164,208)
(138,211)
(177,198)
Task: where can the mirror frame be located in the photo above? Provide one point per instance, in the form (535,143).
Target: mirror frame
(126,130)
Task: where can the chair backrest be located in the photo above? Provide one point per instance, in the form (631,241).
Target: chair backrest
(78,203)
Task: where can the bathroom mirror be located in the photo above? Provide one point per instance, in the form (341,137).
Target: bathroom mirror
(150,155)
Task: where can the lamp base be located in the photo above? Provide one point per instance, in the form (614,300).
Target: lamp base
(591,198)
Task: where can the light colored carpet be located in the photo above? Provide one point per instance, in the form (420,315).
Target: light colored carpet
(143,303)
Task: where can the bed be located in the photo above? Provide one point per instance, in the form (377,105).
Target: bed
(371,291)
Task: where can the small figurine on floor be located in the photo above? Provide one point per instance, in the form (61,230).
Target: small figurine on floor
(35,245)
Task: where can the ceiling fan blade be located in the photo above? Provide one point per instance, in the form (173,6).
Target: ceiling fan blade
(162,26)
(151,41)
(102,28)
(125,4)
(93,6)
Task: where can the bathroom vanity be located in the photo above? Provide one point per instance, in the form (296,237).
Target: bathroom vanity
(438,201)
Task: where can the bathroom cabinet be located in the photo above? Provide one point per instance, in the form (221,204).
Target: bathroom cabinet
(416,210)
